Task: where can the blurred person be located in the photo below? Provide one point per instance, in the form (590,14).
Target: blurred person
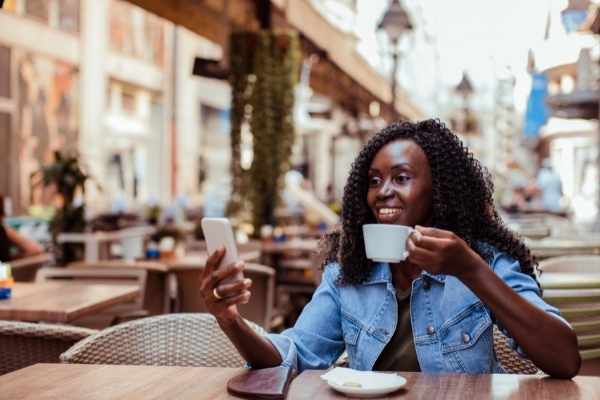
(550,187)
(433,312)
(520,190)
(10,238)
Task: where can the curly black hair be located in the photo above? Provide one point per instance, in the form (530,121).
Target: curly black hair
(462,201)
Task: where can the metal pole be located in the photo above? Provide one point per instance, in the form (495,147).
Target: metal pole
(394,76)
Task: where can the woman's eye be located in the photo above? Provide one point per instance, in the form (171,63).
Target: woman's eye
(374,181)
(401,179)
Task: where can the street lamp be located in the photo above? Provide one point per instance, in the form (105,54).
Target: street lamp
(395,23)
(465,90)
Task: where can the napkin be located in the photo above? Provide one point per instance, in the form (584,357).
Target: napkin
(366,379)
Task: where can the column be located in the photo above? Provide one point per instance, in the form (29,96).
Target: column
(93,87)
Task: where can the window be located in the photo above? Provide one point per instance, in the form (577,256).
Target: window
(68,15)
(37,9)
(136,33)
(57,14)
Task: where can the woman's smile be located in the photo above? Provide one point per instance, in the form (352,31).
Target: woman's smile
(388,215)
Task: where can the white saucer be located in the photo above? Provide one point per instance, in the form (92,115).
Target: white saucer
(373,384)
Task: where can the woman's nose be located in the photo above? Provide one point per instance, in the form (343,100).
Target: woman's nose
(385,190)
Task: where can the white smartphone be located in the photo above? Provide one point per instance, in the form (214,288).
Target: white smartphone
(218,233)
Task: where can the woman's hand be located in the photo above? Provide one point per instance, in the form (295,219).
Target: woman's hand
(441,252)
(221,298)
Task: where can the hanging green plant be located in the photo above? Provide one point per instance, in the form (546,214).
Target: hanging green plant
(265,68)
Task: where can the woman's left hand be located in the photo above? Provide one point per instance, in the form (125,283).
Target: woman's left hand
(438,251)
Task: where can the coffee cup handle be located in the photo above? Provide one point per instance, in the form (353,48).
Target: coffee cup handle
(406,253)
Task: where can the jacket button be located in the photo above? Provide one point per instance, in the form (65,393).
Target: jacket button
(426,284)
(430,329)
(466,338)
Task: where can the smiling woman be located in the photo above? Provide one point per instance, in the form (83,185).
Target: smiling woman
(400,184)
(433,312)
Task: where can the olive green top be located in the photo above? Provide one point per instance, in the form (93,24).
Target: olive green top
(399,354)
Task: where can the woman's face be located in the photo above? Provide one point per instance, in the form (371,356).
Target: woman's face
(400,185)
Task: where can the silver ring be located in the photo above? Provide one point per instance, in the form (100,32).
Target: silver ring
(216,294)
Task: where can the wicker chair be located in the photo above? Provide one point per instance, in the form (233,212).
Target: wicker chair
(509,359)
(23,343)
(166,340)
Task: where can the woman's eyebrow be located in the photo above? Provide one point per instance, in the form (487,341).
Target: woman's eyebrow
(373,171)
(401,166)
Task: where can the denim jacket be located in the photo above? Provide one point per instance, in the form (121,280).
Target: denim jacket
(452,328)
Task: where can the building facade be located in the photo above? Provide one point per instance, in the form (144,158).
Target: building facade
(114,83)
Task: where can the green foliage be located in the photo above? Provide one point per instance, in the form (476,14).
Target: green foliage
(265,68)
(67,175)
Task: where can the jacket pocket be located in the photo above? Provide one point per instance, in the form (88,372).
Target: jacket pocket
(467,342)
(351,329)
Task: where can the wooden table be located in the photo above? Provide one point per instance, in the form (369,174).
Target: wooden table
(62,302)
(310,386)
(79,381)
(167,278)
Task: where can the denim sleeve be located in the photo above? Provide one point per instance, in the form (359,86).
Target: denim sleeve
(509,270)
(316,340)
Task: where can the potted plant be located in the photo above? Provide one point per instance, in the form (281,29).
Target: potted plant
(68,178)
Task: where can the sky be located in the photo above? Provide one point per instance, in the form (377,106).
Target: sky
(481,37)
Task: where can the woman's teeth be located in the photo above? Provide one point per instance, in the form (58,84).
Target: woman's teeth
(385,212)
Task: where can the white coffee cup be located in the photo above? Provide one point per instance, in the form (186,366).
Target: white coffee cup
(385,242)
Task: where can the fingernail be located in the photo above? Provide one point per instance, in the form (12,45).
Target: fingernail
(247,282)
(418,236)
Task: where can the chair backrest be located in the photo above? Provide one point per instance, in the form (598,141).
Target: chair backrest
(258,310)
(113,276)
(24,343)
(25,269)
(260,307)
(168,340)
(583,263)
(509,359)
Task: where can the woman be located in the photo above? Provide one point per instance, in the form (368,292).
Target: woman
(433,312)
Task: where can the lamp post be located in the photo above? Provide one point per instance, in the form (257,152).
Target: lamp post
(465,90)
(395,23)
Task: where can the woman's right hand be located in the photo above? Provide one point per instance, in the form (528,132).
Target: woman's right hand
(221,298)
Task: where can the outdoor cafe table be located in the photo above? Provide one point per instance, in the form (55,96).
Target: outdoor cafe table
(169,280)
(84,381)
(62,302)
